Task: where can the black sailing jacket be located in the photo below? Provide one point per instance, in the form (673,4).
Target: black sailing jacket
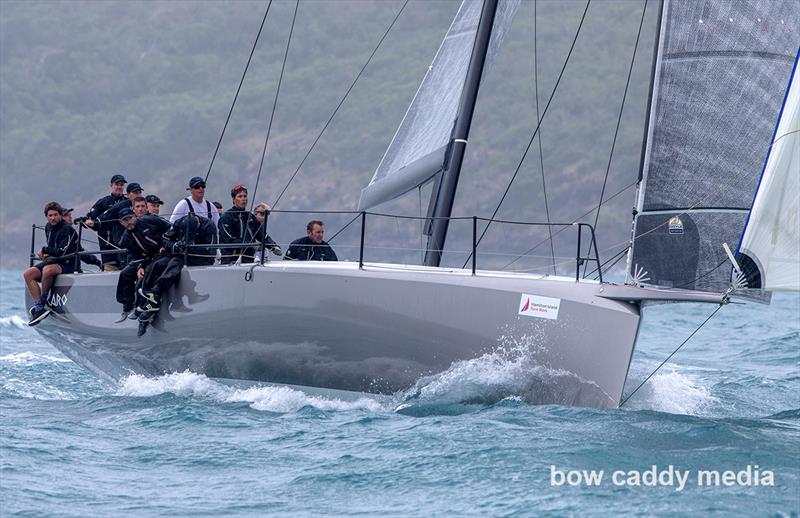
(144,241)
(99,207)
(192,229)
(240,226)
(61,240)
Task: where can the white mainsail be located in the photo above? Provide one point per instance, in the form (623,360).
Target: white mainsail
(772,235)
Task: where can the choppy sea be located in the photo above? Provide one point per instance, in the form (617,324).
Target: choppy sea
(183,444)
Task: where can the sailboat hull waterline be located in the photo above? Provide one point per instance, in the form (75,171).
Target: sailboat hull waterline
(376,329)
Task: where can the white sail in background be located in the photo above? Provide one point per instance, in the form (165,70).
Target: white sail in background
(772,236)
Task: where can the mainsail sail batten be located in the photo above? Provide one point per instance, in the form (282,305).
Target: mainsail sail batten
(722,67)
(417,151)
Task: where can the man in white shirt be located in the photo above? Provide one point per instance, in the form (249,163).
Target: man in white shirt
(196,203)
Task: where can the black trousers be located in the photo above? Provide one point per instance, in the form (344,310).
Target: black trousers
(163,273)
(127,285)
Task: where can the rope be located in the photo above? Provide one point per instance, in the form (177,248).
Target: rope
(275,203)
(626,398)
(619,122)
(535,131)
(235,97)
(541,152)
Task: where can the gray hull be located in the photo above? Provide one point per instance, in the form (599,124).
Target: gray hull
(373,330)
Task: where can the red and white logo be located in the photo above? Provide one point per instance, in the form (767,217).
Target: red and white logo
(539,307)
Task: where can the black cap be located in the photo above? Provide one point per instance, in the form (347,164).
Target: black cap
(118,178)
(133,187)
(64,212)
(196,182)
(152,198)
(125,213)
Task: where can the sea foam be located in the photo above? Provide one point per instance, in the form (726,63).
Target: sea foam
(673,392)
(265,398)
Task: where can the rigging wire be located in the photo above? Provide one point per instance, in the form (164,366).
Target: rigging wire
(626,398)
(274,106)
(619,255)
(535,131)
(275,203)
(616,129)
(235,97)
(541,153)
(540,243)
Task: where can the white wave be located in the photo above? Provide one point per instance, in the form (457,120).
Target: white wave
(30,358)
(13,321)
(509,372)
(266,398)
(673,392)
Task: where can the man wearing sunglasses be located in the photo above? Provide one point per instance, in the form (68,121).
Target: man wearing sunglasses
(196,203)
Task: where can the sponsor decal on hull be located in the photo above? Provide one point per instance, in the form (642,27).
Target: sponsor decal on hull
(539,307)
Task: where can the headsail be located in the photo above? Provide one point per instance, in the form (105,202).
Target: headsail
(417,151)
(721,73)
(770,250)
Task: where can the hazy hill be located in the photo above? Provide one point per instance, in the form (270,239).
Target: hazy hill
(89,89)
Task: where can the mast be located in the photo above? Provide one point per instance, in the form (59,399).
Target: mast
(442,199)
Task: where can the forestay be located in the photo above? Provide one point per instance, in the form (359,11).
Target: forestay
(771,242)
(721,72)
(418,149)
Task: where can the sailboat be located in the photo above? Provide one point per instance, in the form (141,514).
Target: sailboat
(376,328)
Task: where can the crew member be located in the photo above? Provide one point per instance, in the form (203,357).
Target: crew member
(142,240)
(165,271)
(110,219)
(110,261)
(62,240)
(258,230)
(237,225)
(154,204)
(312,247)
(196,203)
(139,206)
(86,258)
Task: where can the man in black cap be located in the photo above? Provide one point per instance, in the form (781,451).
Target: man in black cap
(118,182)
(196,203)
(154,204)
(109,220)
(142,239)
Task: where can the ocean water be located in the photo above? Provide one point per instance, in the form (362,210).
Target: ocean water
(464,442)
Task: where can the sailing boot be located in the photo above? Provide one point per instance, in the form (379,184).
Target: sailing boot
(150,304)
(38,312)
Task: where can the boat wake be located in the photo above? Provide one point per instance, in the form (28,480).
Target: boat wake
(509,372)
(671,392)
(276,399)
